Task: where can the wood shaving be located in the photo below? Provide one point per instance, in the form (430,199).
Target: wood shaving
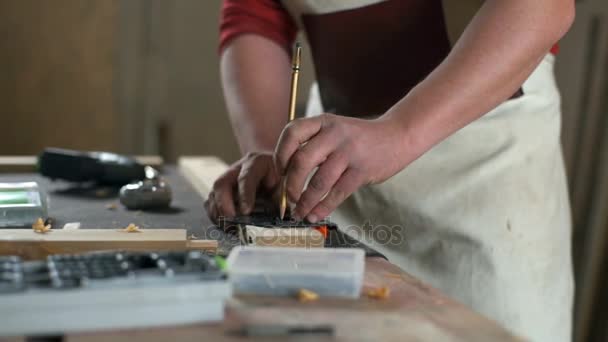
(112,206)
(393,275)
(305,296)
(132,228)
(103,192)
(378,292)
(40,228)
(192,237)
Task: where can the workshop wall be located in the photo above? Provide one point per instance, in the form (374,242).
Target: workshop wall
(57,74)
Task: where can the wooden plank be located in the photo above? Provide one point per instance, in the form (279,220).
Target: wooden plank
(30,245)
(201,172)
(16,164)
(414,312)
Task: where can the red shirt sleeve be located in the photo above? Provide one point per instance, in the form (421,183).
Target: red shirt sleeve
(267,18)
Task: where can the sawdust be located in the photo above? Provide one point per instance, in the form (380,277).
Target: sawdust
(380,293)
(305,296)
(40,228)
(132,228)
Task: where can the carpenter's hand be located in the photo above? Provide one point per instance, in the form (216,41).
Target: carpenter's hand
(349,153)
(235,191)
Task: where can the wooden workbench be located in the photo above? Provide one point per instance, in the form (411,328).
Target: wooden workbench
(413,312)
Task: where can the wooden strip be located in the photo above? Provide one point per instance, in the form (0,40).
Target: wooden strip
(103,234)
(207,245)
(28,163)
(30,245)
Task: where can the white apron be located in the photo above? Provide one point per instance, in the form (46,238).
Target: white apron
(484,216)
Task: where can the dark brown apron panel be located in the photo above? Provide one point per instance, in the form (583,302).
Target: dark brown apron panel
(367,59)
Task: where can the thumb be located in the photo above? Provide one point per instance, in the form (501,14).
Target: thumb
(249,180)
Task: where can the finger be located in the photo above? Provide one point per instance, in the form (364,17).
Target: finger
(211,207)
(271,179)
(212,212)
(249,179)
(223,189)
(295,133)
(207,205)
(305,160)
(320,184)
(344,187)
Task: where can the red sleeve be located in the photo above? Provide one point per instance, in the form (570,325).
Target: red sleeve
(267,18)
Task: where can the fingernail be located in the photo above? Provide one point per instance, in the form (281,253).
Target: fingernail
(312,218)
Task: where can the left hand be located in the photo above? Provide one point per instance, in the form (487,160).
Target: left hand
(349,153)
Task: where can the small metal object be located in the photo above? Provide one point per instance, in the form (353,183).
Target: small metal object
(151,193)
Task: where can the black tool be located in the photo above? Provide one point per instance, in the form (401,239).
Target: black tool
(78,166)
(286,330)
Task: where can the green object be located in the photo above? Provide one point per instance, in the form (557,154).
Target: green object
(221,263)
(14,197)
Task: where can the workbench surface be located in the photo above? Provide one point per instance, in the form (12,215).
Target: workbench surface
(413,311)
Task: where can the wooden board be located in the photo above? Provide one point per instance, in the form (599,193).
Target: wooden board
(201,172)
(28,163)
(30,245)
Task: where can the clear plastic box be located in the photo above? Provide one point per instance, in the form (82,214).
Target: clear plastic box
(331,272)
(21,204)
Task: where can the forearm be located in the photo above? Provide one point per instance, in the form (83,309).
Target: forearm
(495,55)
(255,76)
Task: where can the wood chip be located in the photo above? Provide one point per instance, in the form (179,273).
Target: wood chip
(393,275)
(112,206)
(378,292)
(40,228)
(132,228)
(305,296)
(102,192)
(192,237)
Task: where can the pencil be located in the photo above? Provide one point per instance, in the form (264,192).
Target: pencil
(295,71)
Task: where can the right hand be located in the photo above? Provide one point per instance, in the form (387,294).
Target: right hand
(235,191)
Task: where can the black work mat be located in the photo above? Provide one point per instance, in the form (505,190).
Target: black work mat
(99,207)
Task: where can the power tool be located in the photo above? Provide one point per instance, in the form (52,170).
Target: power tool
(100,167)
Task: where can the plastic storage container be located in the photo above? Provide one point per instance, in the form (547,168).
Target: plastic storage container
(284,271)
(21,204)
